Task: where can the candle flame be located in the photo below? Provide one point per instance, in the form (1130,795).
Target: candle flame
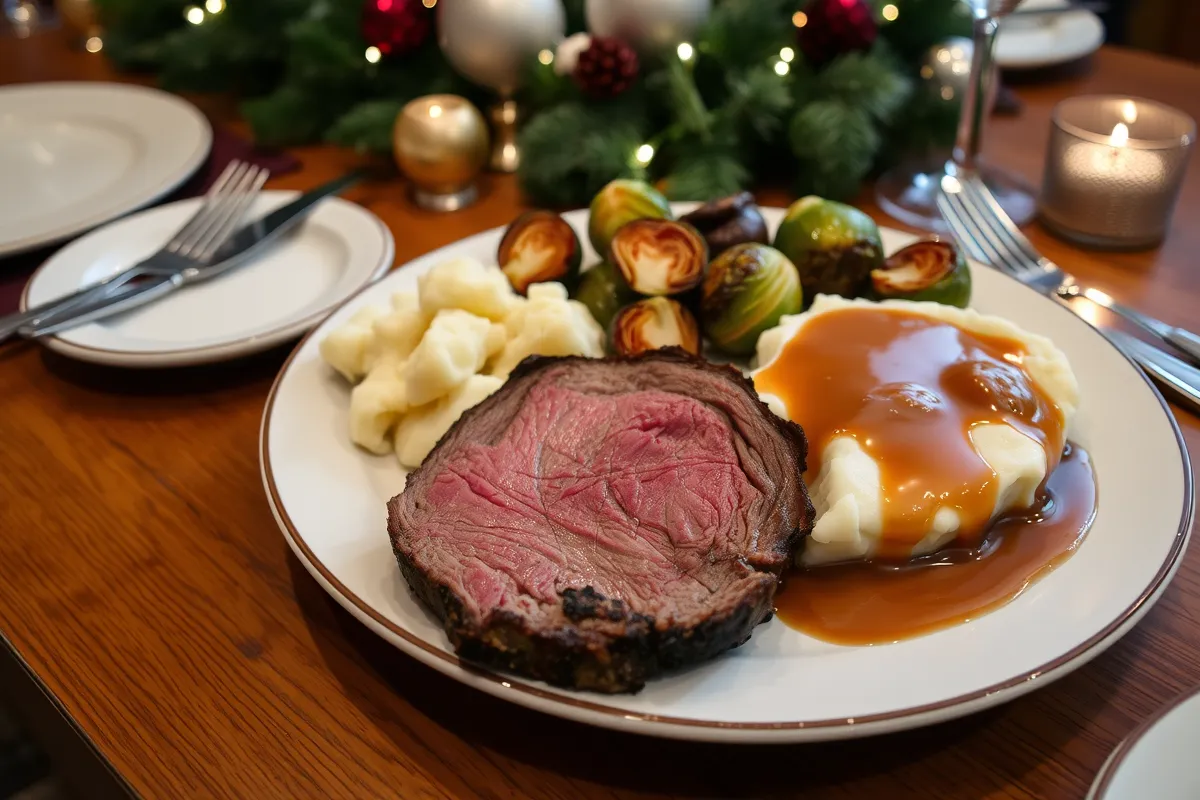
(1120,135)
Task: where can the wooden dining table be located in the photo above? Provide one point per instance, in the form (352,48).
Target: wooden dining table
(161,639)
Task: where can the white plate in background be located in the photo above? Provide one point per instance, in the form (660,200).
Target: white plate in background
(1043,41)
(329,499)
(276,296)
(76,155)
(1158,760)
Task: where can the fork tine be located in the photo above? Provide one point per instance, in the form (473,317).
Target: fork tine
(231,214)
(213,193)
(976,233)
(213,210)
(958,227)
(1010,232)
(986,223)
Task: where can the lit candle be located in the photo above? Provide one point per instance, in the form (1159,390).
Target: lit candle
(1114,169)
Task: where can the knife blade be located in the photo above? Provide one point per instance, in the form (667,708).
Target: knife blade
(1177,378)
(97,302)
(1180,338)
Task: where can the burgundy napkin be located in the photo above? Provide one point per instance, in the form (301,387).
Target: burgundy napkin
(226,146)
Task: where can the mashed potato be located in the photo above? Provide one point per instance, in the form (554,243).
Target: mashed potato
(847,491)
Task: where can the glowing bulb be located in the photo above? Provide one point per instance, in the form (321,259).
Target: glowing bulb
(214,6)
(435,111)
(546,57)
(194,15)
(799,19)
(1120,135)
(1129,112)
(644,154)
(947,93)
(93,44)
(373,55)
(787,54)
(684,51)
(781,68)
(429,3)
(889,12)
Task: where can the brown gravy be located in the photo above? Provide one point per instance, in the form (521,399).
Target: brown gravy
(877,602)
(910,389)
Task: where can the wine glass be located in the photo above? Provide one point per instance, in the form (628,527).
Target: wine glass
(909,191)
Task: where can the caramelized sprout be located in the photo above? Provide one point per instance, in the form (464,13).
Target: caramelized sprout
(653,323)
(729,221)
(833,246)
(619,202)
(603,292)
(932,270)
(539,246)
(658,256)
(747,289)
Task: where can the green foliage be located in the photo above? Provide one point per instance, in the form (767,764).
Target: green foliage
(718,124)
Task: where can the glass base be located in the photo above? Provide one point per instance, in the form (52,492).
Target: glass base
(909,193)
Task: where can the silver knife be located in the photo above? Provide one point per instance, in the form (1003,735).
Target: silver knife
(236,251)
(1177,378)
(1183,340)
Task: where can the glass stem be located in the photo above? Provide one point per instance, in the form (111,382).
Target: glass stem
(979,89)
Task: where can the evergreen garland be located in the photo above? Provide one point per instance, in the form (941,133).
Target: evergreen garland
(718,123)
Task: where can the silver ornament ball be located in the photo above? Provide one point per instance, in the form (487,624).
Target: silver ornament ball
(946,71)
(647,25)
(491,41)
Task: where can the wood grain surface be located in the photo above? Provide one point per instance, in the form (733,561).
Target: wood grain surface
(144,583)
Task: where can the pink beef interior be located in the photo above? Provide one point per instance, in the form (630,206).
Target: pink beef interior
(650,511)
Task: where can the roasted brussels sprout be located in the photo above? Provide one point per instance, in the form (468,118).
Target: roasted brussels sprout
(653,323)
(833,246)
(928,270)
(747,289)
(729,221)
(603,292)
(539,246)
(619,202)
(658,256)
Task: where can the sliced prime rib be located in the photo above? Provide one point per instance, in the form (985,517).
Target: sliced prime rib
(597,521)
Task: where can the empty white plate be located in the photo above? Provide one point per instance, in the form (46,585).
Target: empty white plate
(1158,760)
(278,295)
(76,155)
(1045,40)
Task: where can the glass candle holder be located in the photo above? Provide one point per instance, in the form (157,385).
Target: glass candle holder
(1114,169)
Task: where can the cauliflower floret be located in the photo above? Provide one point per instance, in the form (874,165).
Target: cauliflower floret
(376,404)
(455,347)
(422,428)
(467,284)
(397,333)
(548,324)
(346,348)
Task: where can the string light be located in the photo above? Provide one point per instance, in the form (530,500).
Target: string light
(194,15)
(781,68)
(373,55)
(889,12)
(214,6)
(546,57)
(429,3)
(684,51)
(799,19)
(644,154)
(435,111)
(94,44)
(787,54)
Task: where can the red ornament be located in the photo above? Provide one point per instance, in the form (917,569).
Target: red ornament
(396,27)
(606,68)
(834,28)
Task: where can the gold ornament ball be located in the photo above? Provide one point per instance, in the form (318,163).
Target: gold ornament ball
(440,142)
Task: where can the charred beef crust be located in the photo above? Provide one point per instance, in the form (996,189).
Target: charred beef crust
(619,663)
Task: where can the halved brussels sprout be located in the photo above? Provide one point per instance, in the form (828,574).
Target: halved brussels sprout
(747,289)
(658,256)
(539,246)
(928,270)
(653,323)
(603,292)
(834,246)
(729,221)
(619,202)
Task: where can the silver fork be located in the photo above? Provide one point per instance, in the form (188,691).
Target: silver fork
(977,219)
(190,247)
(986,234)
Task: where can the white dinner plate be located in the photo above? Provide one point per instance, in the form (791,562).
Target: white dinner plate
(76,155)
(1158,760)
(276,296)
(1035,42)
(782,686)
